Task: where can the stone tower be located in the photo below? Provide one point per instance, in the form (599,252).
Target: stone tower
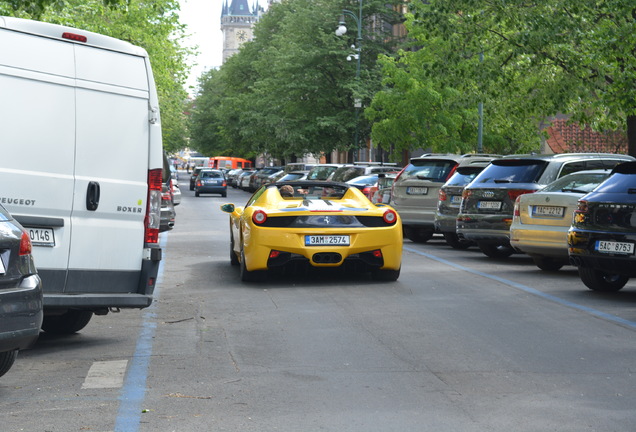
(237,20)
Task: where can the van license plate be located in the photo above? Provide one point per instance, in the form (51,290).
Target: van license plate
(327,240)
(414,190)
(41,236)
(615,247)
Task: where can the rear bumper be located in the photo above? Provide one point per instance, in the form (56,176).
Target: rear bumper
(547,241)
(21,314)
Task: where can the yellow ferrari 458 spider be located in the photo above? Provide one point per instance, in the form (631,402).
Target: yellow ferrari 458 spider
(318,224)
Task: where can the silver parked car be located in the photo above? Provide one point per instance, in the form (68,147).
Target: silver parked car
(416,188)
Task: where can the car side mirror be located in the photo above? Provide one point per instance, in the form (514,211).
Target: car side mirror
(228,208)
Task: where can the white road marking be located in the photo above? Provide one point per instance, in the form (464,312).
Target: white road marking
(106,374)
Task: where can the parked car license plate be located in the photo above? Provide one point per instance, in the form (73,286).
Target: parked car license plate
(489,205)
(549,211)
(415,190)
(605,246)
(41,236)
(327,240)
(455,200)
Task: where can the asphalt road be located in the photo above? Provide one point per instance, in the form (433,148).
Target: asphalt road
(460,342)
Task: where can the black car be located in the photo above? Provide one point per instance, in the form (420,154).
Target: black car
(602,237)
(448,201)
(20,291)
(487,206)
(194,175)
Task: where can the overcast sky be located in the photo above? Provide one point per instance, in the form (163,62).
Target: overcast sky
(203,18)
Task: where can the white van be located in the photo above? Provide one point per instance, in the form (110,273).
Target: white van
(81,166)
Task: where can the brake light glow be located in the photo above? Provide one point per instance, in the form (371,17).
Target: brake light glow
(274,254)
(517,210)
(377,253)
(74,37)
(152,219)
(25,244)
(259,217)
(390,216)
(514,193)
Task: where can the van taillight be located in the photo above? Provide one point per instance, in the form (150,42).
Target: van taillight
(25,244)
(153,208)
(74,37)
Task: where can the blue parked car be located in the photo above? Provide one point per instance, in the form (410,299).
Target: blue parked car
(210,181)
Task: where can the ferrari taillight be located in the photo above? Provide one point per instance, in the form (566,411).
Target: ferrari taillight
(390,216)
(259,217)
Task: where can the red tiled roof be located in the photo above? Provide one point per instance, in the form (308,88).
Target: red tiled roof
(565,137)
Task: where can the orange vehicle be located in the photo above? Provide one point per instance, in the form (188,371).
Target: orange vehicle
(229,162)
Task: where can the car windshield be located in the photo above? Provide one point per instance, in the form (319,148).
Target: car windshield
(211,174)
(577,182)
(344,174)
(428,169)
(321,173)
(512,171)
(364,180)
(464,176)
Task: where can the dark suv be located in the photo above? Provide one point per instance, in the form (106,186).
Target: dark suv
(487,206)
(602,237)
(416,189)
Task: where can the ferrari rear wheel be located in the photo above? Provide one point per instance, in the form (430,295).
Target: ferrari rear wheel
(233,258)
(598,280)
(386,275)
(250,276)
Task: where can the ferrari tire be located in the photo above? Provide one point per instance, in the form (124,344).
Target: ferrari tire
(250,276)
(548,263)
(69,322)
(386,275)
(233,258)
(598,280)
(455,242)
(7,359)
(495,250)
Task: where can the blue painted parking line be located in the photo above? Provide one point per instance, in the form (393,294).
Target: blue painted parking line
(529,290)
(133,391)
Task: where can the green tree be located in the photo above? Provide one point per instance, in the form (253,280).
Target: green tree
(290,91)
(538,59)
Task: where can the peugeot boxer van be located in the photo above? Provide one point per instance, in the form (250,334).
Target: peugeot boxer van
(81,166)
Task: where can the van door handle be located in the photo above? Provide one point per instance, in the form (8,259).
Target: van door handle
(92,196)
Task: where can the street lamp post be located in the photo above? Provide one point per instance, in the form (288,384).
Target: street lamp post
(340,31)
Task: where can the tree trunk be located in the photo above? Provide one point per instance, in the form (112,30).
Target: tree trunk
(631,135)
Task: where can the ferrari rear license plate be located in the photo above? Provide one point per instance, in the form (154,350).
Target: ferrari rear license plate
(41,236)
(414,190)
(605,246)
(327,240)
